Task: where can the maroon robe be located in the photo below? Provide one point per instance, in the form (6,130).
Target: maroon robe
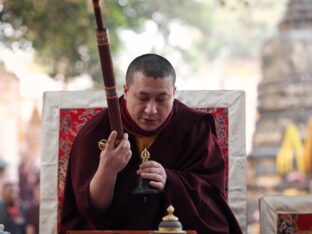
(188,150)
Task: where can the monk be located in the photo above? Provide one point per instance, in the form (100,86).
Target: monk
(186,166)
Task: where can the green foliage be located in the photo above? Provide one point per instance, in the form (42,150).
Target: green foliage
(63,32)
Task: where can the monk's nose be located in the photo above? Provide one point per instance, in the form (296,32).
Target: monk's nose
(151,108)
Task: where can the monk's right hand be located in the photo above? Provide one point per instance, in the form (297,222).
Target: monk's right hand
(115,158)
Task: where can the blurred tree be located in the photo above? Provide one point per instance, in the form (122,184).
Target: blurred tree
(63,32)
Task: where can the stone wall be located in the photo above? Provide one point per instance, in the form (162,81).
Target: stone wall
(284,94)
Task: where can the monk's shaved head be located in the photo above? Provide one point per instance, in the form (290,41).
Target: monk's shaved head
(151,65)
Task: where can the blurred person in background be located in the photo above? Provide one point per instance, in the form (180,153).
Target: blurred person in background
(3,167)
(12,212)
(28,175)
(32,213)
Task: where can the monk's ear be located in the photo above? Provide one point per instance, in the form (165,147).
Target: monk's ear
(174,89)
(125,90)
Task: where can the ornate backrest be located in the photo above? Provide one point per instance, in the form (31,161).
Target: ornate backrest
(64,113)
(285,214)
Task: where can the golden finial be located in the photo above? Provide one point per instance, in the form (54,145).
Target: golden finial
(170,223)
(145,155)
(170,216)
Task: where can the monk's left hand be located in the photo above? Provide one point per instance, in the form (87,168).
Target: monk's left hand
(154,172)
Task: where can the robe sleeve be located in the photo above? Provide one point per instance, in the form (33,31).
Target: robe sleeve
(77,212)
(195,185)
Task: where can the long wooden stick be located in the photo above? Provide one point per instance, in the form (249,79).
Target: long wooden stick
(108,72)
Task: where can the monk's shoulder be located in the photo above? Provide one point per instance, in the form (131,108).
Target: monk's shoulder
(181,109)
(188,115)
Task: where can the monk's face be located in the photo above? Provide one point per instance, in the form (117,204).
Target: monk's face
(149,100)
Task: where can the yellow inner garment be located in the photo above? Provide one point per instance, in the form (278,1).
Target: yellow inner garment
(144,142)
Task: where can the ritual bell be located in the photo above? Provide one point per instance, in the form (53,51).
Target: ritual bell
(143,187)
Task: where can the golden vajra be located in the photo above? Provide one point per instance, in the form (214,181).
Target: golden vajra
(102,144)
(145,155)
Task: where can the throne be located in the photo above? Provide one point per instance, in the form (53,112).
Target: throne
(64,113)
(285,214)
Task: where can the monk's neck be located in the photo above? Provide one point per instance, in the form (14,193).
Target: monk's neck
(144,142)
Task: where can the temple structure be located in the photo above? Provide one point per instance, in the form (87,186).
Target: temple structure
(284,98)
